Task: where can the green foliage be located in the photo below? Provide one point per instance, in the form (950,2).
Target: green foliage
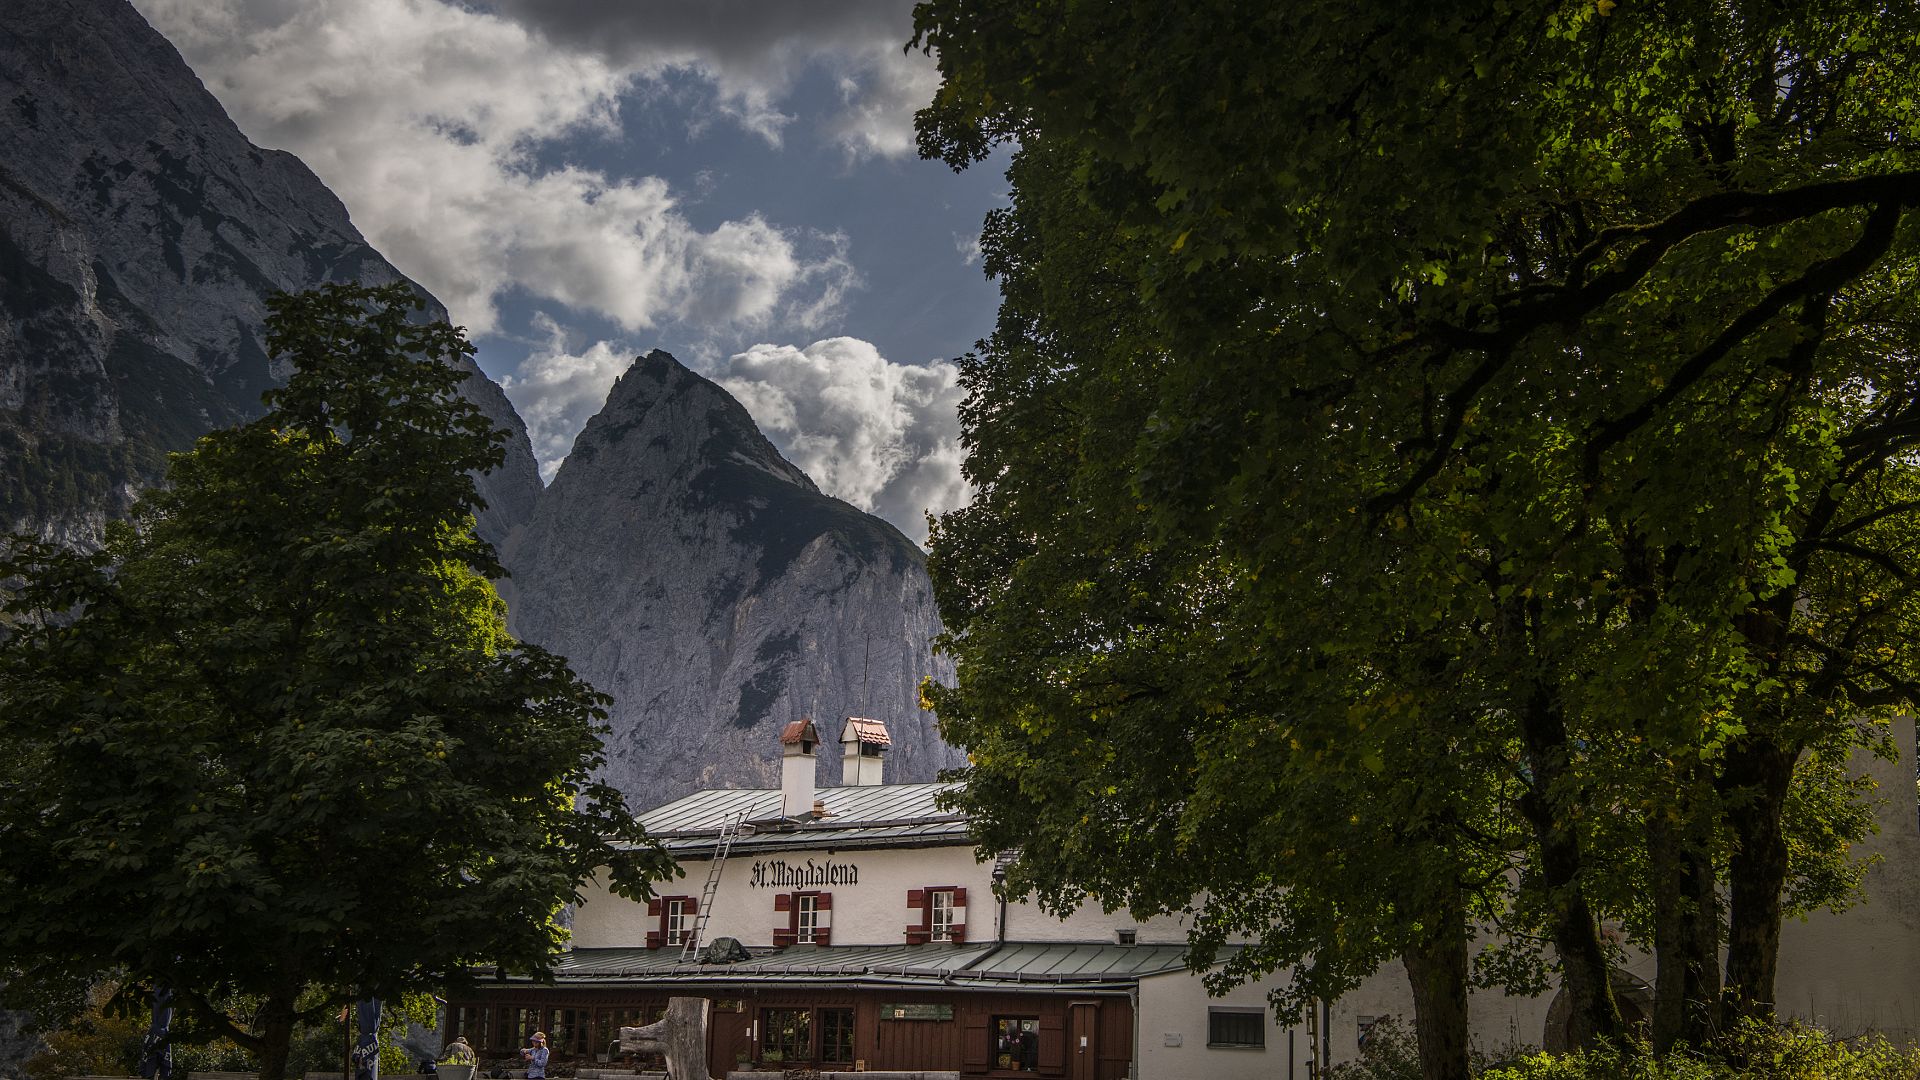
(92,1043)
(1439,468)
(273,742)
(1788,1053)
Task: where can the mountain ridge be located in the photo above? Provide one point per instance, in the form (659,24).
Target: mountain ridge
(731,592)
(140,234)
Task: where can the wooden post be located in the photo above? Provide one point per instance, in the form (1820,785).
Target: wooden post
(681,1036)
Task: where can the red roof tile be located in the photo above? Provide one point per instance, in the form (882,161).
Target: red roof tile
(873,732)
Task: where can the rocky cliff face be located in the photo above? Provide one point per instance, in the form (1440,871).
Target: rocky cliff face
(688,570)
(140,233)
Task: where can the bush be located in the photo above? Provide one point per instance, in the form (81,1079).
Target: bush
(1791,1052)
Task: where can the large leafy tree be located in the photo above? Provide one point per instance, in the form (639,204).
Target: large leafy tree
(273,742)
(1475,432)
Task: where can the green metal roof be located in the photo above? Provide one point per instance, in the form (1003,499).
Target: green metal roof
(1010,966)
(875,815)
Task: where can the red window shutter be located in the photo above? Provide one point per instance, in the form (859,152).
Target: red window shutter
(783,938)
(693,906)
(976,1049)
(821,935)
(655,939)
(653,907)
(959,898)
(826,901)
(1053,1042)
(916,898)
(918,936)
(959,931)
(783,902)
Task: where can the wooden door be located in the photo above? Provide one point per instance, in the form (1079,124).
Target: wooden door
(1083,1041)
(726,1038)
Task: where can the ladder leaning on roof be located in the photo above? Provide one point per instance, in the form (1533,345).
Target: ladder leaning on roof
(735,828)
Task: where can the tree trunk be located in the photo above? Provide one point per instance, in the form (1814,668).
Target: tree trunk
(1437,970)
(1576,934)
(1755,782)
(276,1036)
(1686,925)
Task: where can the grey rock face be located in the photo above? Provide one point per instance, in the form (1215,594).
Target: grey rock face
(140,233)
(688,570)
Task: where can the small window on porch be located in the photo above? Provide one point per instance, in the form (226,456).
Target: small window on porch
(1016,1043)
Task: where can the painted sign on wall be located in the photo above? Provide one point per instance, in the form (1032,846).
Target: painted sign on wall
(781,874)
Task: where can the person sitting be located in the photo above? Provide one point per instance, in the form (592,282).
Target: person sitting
(460,1053)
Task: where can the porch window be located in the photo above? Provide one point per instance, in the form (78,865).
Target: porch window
(836,1036)
(1016,1043)
(786,1034)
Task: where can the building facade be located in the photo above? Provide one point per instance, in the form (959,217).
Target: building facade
(873,941)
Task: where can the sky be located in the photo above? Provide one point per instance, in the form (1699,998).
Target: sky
(581,181)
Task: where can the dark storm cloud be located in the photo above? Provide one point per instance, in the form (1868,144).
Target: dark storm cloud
(728,33)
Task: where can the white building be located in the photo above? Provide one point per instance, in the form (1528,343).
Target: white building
(874,941)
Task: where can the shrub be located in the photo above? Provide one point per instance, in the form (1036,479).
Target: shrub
(1790,1052)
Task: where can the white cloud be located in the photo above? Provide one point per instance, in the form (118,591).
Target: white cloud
(881,435)
(556,391)
(968,245)
(424,118)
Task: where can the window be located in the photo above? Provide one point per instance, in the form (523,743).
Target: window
(786,1034)
(1016,1043)
(940,909)
(567,1031)
(942,914)
(676,920)
(808,919)
(471,1021)
(836,1036)
(1227,1026)
(525,1023)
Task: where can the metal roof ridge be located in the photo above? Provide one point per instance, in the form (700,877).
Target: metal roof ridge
(818,825)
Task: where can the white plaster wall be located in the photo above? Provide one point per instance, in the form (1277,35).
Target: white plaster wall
(1026,922)
(1173,1007)
(872,912)
(1495,1020)
(1855,972)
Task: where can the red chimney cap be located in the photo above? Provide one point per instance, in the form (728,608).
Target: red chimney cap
(799,731)
(871,732)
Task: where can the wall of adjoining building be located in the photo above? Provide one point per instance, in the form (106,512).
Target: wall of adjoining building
(1175,1025)
(1850,972)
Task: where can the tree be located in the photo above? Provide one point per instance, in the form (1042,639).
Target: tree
(1497,409)
(274,735)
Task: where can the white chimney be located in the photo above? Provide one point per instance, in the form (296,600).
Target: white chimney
(862,742)
(796,769)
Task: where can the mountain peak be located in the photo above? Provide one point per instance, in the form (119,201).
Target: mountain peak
(663,418)
(683,566)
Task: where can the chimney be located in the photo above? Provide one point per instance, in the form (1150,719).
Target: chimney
(796,768)
(862,742)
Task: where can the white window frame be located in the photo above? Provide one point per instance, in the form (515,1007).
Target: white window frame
(679,923)
(806,907)
(940,914)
